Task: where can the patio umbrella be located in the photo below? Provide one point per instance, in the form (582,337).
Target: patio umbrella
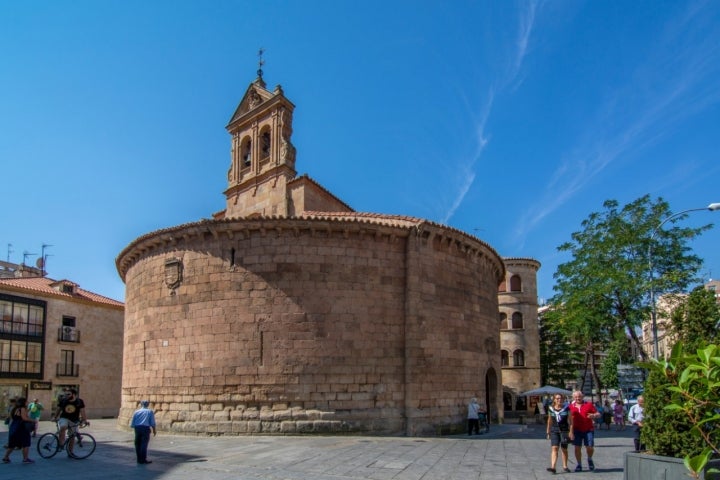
(547,390)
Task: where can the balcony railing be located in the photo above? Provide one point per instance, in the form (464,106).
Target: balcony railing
(68,334)
(68,370)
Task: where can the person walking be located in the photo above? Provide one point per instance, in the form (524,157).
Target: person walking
(559,431)
(635,418)
(473,417)
(607,414)
(35,410)
(8,418)
(143,421)
(583,416)
(19,433)
(619,414)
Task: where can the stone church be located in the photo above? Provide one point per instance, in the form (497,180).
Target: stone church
(289,312)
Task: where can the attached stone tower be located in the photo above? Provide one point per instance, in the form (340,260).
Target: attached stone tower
(262,178)
(519,333)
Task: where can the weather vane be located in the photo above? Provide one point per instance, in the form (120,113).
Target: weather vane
(261,62)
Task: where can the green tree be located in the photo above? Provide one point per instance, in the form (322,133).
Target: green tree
(558,356)
(609,370)
(695,321)
(604,287)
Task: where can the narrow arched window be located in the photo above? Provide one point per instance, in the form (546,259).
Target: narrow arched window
(517,320)
(502,287)
(518,358)
(515,283)
(504,358)
(265,144)
(246,152)
(503,321)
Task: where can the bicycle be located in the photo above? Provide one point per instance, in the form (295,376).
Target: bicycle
(49,444)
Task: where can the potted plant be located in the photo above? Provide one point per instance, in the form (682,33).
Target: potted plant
(682,414)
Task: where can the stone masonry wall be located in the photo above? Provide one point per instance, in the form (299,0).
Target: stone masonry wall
(299,326)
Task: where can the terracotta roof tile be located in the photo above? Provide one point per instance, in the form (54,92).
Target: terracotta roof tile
(44,286)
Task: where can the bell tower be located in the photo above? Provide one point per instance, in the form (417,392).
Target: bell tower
(262,158)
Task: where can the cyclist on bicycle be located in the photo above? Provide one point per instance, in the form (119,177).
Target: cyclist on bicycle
(70,411)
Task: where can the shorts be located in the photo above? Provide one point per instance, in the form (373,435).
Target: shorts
(65,422)
(584,437)
(559,439)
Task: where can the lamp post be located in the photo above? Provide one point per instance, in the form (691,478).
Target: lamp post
(712,207)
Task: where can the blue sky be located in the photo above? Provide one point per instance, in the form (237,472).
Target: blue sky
(512,121)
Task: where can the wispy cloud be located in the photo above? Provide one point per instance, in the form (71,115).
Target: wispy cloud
(682,75)
(509,80)
(527,22)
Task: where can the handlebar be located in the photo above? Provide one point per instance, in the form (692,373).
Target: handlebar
(81,424)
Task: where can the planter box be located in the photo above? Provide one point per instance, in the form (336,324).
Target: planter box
(640,466)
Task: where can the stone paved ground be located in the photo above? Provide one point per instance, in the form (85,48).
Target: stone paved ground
(509,452)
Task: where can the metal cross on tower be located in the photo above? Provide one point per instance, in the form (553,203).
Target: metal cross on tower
(261,62)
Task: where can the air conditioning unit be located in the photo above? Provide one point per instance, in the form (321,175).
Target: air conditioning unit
(69,334)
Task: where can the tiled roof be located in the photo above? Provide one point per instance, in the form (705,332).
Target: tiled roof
(306,177)
(43,286)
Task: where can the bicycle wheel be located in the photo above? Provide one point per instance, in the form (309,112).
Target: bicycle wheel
(47,445)
(84,446)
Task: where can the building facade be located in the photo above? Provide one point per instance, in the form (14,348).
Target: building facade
(289,312)
(665,304)
(54,335)
(519,332)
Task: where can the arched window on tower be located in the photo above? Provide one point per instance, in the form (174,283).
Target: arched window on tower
(504,358)
(503,321)
(265,144)
(515,283)
(502,287)
(246,152)
(517,320)
(518,358)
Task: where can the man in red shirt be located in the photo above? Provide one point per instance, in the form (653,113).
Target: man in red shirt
(583,415)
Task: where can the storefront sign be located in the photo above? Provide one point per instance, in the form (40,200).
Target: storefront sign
(40,385)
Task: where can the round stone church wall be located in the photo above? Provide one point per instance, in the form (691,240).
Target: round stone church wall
(310,325)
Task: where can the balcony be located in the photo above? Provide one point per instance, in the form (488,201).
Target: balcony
(68,370)
(68,334)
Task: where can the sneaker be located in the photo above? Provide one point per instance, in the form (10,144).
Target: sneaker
(578,468)
(28,460)
(591,465)
(551,470)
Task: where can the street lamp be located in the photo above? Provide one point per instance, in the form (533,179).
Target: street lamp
(712,207)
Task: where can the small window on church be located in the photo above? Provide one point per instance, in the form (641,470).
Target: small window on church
(265,144)
(503,321)
(518,358)
(246,153)
(515,283)
(517,320)
(504,358)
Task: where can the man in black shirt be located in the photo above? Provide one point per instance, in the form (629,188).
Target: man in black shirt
(71,411)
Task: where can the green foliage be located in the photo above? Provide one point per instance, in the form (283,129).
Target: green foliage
(608,369)
(665,432)
(604,288)
(558,356)
(695,321)
(689,389)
